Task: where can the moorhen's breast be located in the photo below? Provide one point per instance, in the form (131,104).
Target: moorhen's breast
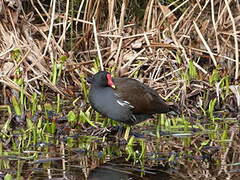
(106,102)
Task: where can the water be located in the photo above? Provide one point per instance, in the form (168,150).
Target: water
(175,155)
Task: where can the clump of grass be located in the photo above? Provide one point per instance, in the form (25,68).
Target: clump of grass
(57,69)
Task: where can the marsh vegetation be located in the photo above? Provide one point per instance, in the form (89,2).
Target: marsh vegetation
(188,51)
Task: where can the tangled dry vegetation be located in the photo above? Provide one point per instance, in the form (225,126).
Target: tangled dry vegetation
(188,49)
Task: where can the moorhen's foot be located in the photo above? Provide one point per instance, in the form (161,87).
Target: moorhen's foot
(110,131)
(100,132)
(106,131)
(116,130)
(92,131)
(137,135)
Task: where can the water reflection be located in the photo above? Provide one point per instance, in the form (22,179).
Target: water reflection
(148,158)
(116,170)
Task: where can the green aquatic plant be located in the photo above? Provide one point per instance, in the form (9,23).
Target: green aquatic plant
(161,121)
(8,177)
(192,71)
(58,103)
(34,103)
(96,65)
(54,73)
(143,149)
(72,117)
(211,108)
(178,57)
(126,135)
(129,148)
(57,68)
(84,87)
(224,87)
(16,106)
(6,125)
(214,77)
(85,117)
(50,124)
(16,54)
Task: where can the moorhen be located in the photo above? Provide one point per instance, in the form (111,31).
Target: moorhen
(123,99)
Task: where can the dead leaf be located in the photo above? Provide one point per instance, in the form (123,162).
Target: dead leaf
(171,18)
(7,67)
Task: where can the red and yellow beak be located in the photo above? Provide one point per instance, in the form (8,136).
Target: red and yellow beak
(110,81)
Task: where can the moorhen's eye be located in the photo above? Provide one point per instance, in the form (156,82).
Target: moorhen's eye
(130,103)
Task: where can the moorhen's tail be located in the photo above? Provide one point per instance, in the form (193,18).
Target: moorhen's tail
(174,109)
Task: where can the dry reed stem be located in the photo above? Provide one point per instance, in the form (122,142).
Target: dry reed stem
(133,70)
(149,15)
(117,63)
(235,39)
(215,25)
(182,18)
(97,44)
(53,2)
(63,36)
(8,82)
(205,44)
(179,6)
(79,11)
(122,15)
(107,34)
(148,43)
(39,14)
(133,58)
(69,19)
(215,54)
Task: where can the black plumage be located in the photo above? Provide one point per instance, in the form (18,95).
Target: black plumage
(123,99)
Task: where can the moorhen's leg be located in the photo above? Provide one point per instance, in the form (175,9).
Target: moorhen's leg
(111,130)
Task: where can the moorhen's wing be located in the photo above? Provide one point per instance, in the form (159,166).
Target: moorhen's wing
(144,99)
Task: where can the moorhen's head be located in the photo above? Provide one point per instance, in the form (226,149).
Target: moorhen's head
(101,79)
